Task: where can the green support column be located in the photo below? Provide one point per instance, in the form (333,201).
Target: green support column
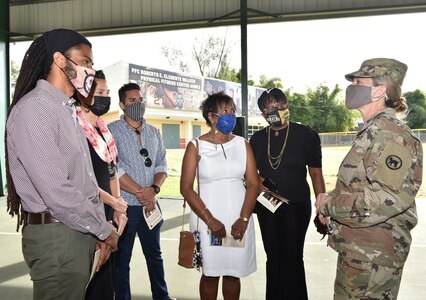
(244,76)
(4,83)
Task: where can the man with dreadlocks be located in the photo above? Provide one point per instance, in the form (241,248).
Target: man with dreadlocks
(50,179)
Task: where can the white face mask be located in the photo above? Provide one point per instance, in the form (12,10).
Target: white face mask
(359,95)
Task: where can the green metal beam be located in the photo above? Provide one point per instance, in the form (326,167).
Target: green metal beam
(244,71)
(4,83)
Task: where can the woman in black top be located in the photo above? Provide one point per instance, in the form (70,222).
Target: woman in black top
(283,150)
(104,159)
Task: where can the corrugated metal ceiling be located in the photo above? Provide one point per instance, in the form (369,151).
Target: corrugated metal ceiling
(101,17)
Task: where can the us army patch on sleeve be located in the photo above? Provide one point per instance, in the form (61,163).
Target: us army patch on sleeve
(393,165)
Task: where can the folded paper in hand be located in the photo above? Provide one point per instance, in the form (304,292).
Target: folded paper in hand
(96,257)
(152,217)
(271,200)
(227,241)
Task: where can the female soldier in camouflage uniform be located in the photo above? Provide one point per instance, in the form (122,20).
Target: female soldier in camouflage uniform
(372,208)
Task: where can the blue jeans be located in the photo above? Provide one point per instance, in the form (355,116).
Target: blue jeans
(150,242)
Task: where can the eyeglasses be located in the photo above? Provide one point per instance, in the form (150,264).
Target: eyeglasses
(144,153)
(275,108)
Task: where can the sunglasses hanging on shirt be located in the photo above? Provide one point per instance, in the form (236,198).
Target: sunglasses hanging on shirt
(144,153)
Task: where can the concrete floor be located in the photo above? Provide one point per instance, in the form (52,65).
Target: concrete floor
(320,263)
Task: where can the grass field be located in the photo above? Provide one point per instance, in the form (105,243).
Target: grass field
(332,157)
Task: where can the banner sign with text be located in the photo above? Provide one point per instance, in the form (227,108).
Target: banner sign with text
(164,89)
(233,89)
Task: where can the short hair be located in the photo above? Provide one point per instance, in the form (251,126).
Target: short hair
(212,104)
(100,74)
(127,87)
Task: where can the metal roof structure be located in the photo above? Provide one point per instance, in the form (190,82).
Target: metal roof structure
(105,17)
(26,19)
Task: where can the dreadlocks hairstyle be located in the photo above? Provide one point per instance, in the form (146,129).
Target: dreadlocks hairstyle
(32,69)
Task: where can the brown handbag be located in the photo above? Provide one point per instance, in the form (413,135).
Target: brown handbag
(189,243)
(186,249)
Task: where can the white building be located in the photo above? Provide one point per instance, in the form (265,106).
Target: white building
(173,100)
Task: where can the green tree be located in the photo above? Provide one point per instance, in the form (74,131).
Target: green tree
(174,56)
(300,111)
(328,114)
(249,81)
(211,54)
(228,73)
(416,117)
(14,72)
(268,83)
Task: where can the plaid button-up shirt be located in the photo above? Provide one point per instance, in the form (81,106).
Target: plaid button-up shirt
(50,162)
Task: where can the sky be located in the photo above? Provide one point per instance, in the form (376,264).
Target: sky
(303,54)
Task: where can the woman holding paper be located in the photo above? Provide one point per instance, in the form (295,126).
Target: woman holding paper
(284,151)
(104,158)
(222,211)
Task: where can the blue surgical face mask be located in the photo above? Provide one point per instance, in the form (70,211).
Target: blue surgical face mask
(226,123)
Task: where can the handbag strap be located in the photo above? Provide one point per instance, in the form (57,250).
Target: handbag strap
(198,188)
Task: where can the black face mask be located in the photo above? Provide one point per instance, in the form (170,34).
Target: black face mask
(100,105)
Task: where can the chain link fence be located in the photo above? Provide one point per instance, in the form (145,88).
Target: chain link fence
(334,139)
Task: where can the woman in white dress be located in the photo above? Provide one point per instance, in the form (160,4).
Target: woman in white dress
(228,190)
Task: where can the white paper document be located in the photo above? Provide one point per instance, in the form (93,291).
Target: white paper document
(95,263)
(152,217)
(271,200)
(227,241)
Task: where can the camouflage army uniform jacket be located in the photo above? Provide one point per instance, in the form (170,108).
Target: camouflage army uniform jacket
(372,207)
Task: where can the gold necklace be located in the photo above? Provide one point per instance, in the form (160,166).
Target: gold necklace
(277,132)
(275,162)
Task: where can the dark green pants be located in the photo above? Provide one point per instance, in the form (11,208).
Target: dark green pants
(59,259)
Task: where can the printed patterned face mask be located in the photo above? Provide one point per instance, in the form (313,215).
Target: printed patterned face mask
(278,117)
(226,123)
(136,110)
(82,78)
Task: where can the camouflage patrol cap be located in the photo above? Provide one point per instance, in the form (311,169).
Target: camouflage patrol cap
(377,67)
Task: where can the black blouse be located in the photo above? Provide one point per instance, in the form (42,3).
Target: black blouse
(303,149)
(102,175)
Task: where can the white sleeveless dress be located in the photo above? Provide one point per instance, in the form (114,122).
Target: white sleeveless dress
(222,190)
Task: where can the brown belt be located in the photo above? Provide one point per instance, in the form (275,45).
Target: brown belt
(40,218)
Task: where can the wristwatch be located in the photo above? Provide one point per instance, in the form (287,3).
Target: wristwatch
(156,188)
(245,219)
